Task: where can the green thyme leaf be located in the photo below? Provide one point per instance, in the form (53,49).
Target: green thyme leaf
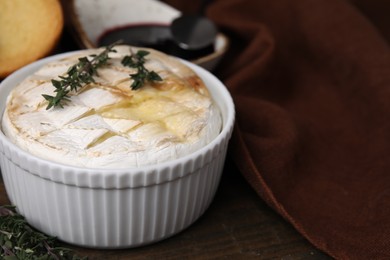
(83,72)
(18,240)
(77,76)
(142,75)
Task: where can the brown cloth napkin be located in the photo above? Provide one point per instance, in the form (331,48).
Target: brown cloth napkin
(311,84)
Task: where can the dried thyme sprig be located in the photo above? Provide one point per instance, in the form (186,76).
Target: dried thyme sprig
(77,76)
(143,75)
(20,241)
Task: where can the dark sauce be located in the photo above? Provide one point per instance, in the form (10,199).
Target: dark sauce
(185,39)
(155,36)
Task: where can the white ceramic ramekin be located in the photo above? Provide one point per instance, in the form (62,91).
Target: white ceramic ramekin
(114,208)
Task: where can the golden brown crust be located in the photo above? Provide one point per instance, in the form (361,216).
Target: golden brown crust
(29,30)
(190,77)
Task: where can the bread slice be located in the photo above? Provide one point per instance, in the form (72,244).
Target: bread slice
(29,30)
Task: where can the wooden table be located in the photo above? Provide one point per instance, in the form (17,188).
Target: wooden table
(237,225)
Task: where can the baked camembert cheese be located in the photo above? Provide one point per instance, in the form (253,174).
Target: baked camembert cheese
(106,124)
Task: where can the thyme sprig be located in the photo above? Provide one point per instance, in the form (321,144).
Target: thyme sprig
(77,76)
(137,61)
(20,241)
(82,73)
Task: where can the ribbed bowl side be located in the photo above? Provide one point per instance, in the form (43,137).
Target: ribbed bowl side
(115,218)
(115,208)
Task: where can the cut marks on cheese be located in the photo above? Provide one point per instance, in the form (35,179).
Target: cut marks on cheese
(108,124)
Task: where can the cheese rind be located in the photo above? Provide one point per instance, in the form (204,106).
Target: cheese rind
(107,124)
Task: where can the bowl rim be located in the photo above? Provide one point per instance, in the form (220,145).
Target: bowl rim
(78,171)
(85,42)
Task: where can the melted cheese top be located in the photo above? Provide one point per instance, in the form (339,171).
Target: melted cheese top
(106,124)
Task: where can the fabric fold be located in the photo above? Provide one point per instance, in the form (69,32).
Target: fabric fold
(311,85)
